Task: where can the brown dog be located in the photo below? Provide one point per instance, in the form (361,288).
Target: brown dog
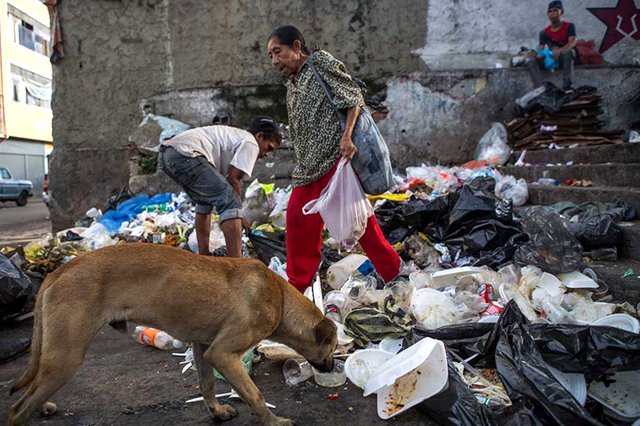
(224,306)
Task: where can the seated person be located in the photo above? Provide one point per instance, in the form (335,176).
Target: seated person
(560,38)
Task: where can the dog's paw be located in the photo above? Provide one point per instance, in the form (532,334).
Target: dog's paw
(48,409)
(223,412)
(281,421)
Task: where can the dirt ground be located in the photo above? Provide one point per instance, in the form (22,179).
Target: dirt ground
(122,382)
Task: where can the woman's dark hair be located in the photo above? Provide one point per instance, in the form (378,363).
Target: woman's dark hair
(287,34)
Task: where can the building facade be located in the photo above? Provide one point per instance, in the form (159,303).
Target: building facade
(25,90)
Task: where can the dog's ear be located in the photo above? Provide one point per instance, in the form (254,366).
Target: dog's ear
(325,330)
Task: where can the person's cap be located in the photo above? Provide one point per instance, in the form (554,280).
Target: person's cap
(263,123)
(556,4)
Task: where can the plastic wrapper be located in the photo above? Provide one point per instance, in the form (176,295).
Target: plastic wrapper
(15,288)
(343,205)
(257,204)
(493,146)
(549,98)
(551,247)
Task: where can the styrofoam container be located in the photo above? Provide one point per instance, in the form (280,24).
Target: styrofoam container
(391,345)
(447,276)
(410,377)
(619,395)
(363,364)
(574,383)
(622,321)
(551,284)
(577,279)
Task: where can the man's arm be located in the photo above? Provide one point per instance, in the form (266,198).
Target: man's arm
(234,177)
(573,40)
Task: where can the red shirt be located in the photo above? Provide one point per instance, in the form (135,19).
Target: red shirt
(558,38)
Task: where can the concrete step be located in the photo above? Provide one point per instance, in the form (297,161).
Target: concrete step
(612,273)
(630,247)
(550,194)
(625,153)
(603,174)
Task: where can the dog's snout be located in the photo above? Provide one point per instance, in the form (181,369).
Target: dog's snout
(325,366)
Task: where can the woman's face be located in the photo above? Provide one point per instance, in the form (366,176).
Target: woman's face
(285,59)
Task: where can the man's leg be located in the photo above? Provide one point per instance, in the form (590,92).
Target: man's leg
(533,65)
(566,61)
(203,231)
(232,230)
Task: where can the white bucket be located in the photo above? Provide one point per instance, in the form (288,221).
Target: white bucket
(339,272)
(410,377)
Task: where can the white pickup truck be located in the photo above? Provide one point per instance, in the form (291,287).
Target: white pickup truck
(14,189)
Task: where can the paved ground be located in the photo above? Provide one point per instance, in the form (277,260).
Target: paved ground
(124,383)
(22,224)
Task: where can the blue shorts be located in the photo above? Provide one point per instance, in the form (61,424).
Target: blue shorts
(202,182)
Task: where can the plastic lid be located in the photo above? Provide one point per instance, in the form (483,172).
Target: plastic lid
(622,321)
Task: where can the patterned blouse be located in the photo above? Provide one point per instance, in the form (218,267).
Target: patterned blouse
(315,128)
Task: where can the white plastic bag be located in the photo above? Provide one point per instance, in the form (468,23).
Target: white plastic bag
(509,188)
(343,206)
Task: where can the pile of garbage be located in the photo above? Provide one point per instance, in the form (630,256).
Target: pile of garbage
(494,316)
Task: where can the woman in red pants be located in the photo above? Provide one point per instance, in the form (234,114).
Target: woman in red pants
(319,142)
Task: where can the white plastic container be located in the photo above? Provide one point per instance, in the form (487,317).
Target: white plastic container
(391,345)
(577,279)
(574,383)
(551,284)
(619,395)
(621,321)
(449,276)
(339,272)
(363,364)
(410,377)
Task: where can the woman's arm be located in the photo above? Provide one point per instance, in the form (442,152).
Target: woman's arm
(347,148)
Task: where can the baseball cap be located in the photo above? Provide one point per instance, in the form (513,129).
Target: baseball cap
(263,123)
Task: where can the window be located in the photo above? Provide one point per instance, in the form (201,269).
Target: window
(28,33)
(4,174)
(30,88)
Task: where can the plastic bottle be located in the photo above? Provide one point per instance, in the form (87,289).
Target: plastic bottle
(339,272)
(335,304)
(156,338)
(361,281)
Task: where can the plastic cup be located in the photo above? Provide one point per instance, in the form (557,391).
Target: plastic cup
(296,371)
(334,378)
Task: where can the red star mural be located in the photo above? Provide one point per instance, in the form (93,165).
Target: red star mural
(621,21)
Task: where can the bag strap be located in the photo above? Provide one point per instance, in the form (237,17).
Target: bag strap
(325,88)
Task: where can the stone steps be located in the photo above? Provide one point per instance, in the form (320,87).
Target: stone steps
(622,289)
(550,194)
(626,153)
(601,175)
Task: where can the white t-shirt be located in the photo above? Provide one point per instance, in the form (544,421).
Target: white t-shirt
(222,146)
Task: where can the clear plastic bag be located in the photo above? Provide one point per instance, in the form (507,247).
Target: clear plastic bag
(509,188)
(493,145)
(343,206)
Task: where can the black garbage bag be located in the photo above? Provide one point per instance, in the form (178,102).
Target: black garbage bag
(551,247)
(268,245)
(549,98)
(597,232)
(15,288)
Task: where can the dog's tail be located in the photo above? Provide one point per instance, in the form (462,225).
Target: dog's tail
(36,346)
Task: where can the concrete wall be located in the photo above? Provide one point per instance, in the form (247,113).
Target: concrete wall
(194,60)
(483,33)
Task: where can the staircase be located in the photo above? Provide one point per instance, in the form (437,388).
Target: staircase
(614,171)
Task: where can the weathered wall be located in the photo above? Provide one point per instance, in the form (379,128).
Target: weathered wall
(195,60)
(483,33)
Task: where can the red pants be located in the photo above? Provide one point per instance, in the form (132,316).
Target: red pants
(304,239)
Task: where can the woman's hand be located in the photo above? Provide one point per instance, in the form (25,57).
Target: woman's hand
(347,148)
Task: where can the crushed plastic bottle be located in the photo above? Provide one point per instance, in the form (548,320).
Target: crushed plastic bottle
(157,338)
(335,305)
